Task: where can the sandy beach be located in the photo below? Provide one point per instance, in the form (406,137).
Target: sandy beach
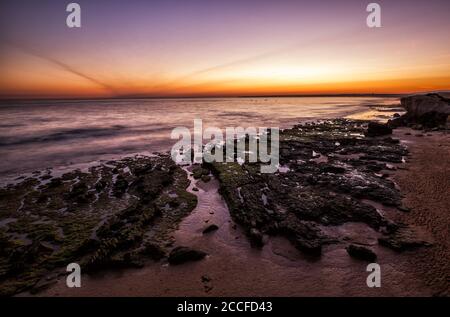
(425,184)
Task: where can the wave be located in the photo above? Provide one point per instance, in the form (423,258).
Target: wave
(80,133)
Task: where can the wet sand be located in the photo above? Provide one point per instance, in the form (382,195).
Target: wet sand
(426,186)
(233,268)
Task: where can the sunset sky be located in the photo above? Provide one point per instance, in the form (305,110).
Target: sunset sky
(228,47)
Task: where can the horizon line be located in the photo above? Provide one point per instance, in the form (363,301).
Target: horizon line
(125,97)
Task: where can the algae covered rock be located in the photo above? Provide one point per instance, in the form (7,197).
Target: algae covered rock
(116,214)
(328,170)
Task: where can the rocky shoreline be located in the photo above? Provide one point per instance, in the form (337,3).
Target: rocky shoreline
(114,215)
(328,172)
(123,213)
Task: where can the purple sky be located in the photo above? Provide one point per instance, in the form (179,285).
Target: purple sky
(224,47)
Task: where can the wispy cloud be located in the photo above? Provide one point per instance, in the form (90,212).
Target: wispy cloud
(64,66)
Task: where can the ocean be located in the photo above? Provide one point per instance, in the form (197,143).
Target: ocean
(36,135)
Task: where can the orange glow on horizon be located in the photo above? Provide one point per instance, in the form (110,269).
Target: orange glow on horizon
(280,50)
(76,88)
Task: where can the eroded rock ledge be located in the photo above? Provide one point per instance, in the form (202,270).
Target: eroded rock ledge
(328,172)
(113,215)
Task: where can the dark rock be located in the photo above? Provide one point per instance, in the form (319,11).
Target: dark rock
(361,253)
(208,288)
(398,122)
(429,111)
(305,236)
(333,169)
(174,202)
(391,140)
(181,255)
(432,119)
(256,237)
(42,199)
(142,170)
(154,251)
(198,172)
(55,182)
(210,228)
(78,189)
(46,177)
(100,185)
(206,178)
(206,279)
(419,105)
(389,227)
(377,129)
(79,193)
(120,186)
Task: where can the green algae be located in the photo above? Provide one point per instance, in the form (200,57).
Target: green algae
(114,214)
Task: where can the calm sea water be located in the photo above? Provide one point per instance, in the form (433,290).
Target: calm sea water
(37,135)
